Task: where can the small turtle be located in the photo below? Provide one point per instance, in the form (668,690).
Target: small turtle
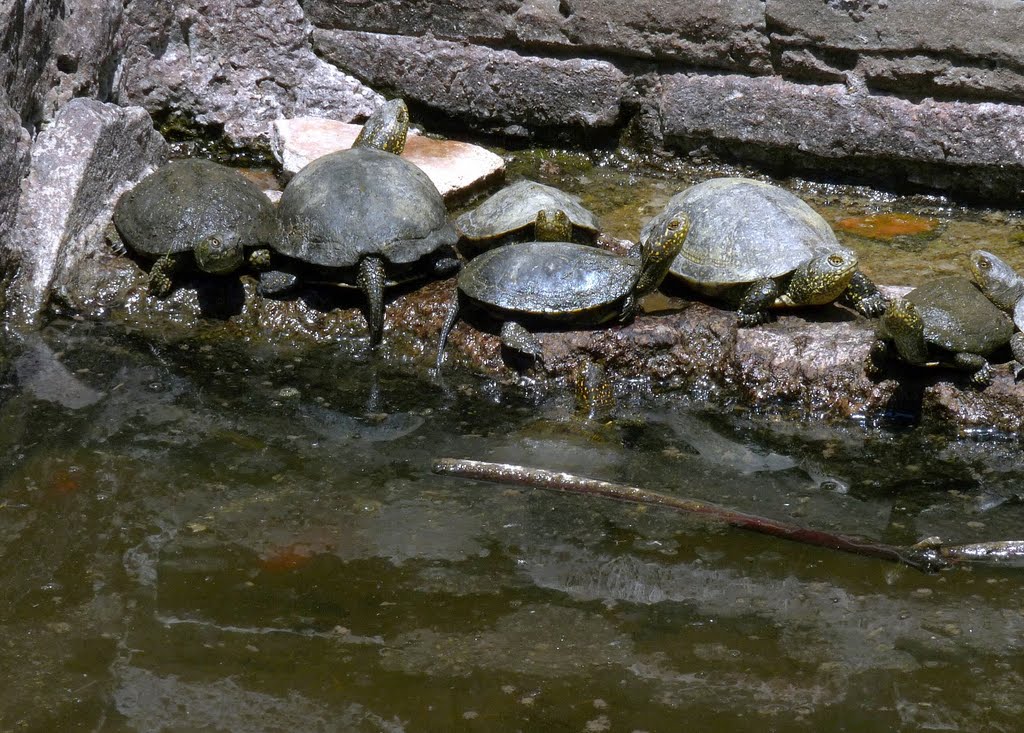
(363,217)
(759,246)
(1005,288)
(195,212)
(527,210)
(562,282)
(946,322)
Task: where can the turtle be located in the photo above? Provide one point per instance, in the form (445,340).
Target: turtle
(759,246)
(1005,288)
(561,282)
(523,209)
(195,212)
(945,322)
(363,217)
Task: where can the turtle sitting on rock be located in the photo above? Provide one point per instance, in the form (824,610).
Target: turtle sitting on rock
(527,211)
(1005,288)
(946,322)
(195,213)
(363,217)
(561,282)
(759,246)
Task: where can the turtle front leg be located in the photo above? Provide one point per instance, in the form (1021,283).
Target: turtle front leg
(516,337)
(1017,348)
(863,296)
(371,281)
(754,305)
(877,359)
(981,372)
(160,273)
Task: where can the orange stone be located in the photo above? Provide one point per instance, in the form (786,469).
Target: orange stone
(281,559)
(888,226)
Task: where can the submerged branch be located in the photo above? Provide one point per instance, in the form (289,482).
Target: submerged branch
(926,558)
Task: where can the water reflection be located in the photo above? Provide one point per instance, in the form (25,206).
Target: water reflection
(199,537)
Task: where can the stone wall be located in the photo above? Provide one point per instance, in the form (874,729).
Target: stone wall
(929,93)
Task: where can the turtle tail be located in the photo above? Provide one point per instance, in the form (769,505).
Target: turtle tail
(371,281)
(449,321)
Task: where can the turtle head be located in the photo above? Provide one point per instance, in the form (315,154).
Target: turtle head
(903,324)
(552,226)
(997,280)
(659,250)
(822,279)
(218,254)
(386,129)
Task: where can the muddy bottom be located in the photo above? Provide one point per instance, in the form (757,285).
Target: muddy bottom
(201,537)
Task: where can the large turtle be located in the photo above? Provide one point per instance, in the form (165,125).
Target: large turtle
(363,217)
(525,211)
(1005,288)
(195,212)
(946,322)
(759,246)
(562,282)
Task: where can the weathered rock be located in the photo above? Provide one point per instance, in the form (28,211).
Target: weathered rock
(235,65)
(980,146)
(480,83)
(716,35)
(81,163)
(455,168)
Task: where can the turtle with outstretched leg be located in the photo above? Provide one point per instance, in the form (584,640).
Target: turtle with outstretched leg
(195,214)
(759,247)
(1005,288)
(560,282)
(363,218)
(946,322)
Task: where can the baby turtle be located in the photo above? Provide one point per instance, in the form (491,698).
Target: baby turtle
(526,211)
(759,246)
(1005,288)
(946,322)
(562,282)
(195,212)
(363,217)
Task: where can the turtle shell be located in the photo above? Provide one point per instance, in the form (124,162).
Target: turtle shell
(362,201)
(742,231)
(515,207)
(549,279)
(958,317)
(186,201)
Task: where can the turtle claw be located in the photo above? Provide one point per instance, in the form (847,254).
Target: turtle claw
(752,319)
(982,378)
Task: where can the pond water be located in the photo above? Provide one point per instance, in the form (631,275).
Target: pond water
(202,536)
(206,535)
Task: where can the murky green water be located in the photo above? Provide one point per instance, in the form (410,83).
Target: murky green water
(204,537)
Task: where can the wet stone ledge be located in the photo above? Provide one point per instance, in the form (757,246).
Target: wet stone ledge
(806,364)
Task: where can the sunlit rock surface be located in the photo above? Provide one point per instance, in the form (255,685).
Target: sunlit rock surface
(456,168)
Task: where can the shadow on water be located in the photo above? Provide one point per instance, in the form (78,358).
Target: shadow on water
(208,537)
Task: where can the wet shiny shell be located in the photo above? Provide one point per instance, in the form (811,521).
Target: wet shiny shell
(515,207)
(362,201)
(548,278)
(187,200)
(743,230)
(958,317)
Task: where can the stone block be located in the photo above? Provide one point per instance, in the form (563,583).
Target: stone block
(488,85)
(80,164)
(718,35)
(235,66)
(456,168)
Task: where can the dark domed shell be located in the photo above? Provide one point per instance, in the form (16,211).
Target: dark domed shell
(743,230)
(186,201)
(515,207)
(362,201)
(958,317)
(548,278)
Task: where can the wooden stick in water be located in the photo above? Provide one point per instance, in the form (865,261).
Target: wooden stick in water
(926,559)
